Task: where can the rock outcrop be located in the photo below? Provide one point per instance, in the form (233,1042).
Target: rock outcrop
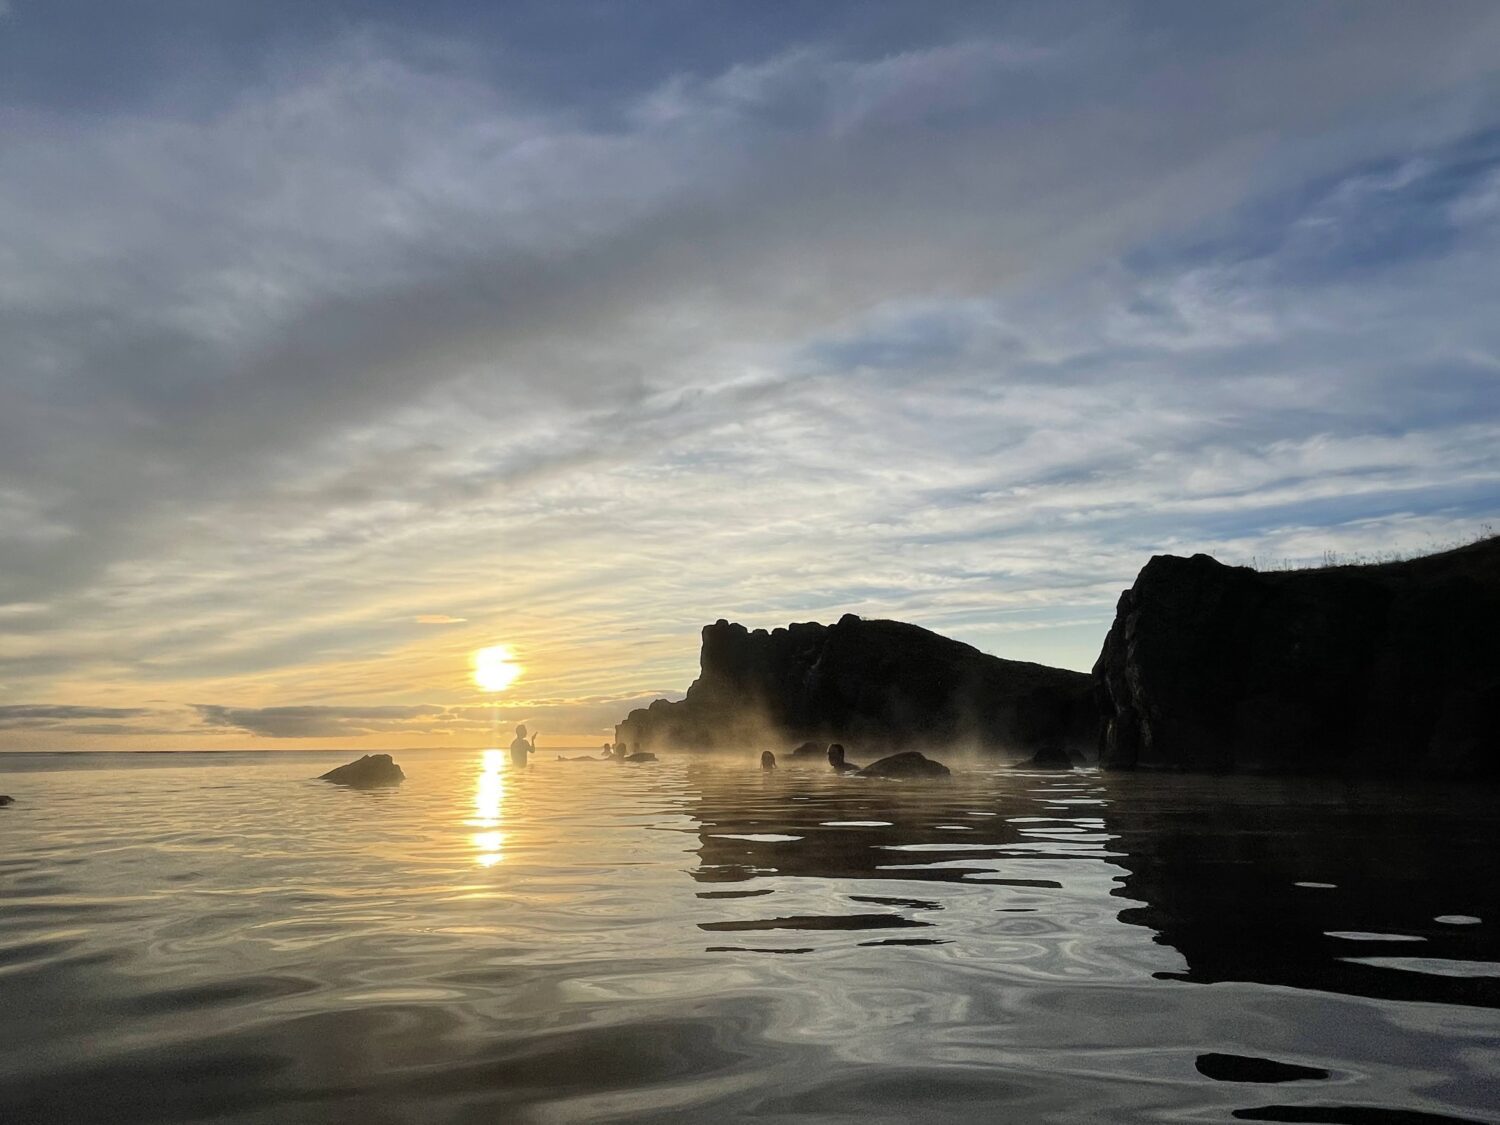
(876,685)
(1385,669)
(1048,758)
(373,771)
(908,764)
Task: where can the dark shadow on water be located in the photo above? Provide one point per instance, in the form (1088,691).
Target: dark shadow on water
(734,894)
(1304,883)
(907,903)
(817,922)
(1349,1115)
(907,941)
(1247,1068)
(1218,863)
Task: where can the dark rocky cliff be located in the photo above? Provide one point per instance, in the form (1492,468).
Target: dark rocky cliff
(1390,669)
(874,685)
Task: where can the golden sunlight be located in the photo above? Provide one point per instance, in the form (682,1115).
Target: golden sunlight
(489,796)
(494,670)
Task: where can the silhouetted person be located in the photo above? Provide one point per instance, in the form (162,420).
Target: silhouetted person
(836,759)
(767,760)
(619,752)
(521,747)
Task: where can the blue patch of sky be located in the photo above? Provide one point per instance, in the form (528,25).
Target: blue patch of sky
(591,55)
(1428,397)
(1371,216)
(919,340)
(1463,501)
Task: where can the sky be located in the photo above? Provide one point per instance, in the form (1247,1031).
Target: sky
(340,340)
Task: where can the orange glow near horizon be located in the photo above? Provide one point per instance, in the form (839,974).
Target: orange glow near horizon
(494,669)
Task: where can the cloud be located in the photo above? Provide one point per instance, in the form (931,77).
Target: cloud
(853,319)
(57,716)
(420,721)
(312,722)
(22,609)
(51,712)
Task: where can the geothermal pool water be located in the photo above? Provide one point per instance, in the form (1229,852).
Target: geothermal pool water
(219,938)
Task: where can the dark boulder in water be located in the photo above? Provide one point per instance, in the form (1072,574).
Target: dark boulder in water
(1377,669)
(908,764)
(1048,758)
(639,756)
(373,771)
(4,800)
(878,685)
(814,750)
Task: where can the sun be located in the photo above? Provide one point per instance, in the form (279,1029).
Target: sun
(494,670)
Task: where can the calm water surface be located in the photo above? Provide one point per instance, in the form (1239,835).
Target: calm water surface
(219,938)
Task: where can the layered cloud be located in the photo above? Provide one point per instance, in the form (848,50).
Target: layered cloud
(415,723)
(389,330)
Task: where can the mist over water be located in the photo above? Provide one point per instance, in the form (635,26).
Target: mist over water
(220,938)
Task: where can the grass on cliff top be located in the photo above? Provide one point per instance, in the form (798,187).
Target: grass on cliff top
(1333,559)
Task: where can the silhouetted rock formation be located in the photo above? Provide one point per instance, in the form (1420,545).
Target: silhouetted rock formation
(1392,668)
(373,771)
(874,684)
(809,750)
(1048,758)
(907,764)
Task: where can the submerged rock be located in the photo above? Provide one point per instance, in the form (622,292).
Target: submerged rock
(879,685)
(4,800)
(1048,758)
(908,764)
(373,771)
(1383,669)
(640,756)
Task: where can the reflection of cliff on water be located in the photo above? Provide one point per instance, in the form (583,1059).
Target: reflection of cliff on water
(1010,868)
(1316,884)
(1305,883)
(851,825)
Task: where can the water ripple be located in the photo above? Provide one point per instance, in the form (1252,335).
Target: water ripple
(230,941)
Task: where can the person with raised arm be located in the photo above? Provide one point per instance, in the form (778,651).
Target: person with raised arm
(521,747)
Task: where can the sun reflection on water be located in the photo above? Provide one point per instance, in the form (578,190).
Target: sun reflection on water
(489,798)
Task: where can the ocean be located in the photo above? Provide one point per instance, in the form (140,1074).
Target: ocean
(220,938)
